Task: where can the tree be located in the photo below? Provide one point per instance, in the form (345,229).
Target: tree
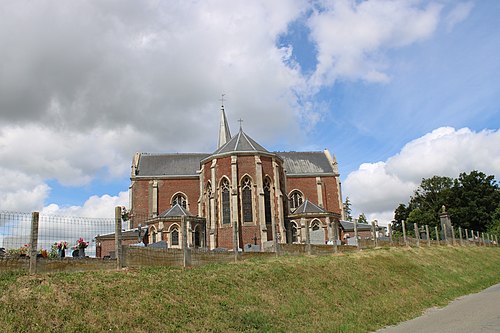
(494,227)
(471,200)
(475,199)
(362,219)
(347,209)
(400,214)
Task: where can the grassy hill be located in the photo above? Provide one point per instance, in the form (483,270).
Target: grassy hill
(356,292)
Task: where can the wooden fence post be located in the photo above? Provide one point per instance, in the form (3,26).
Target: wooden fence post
(118,238)
(445,236)
(427,234)
(417,234)
(374,233)
(437,235)
(236,245)
(335,236)
(460,235)
(308,238)
(35,217)
(404,232)
(185,250)
(466,237)
(356,233)
(452,235)
(389,228)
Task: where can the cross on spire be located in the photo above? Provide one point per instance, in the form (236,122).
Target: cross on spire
(241,122)
(222,99)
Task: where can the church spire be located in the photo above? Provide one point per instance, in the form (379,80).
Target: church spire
(224,133)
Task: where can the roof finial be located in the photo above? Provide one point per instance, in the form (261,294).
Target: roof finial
(241,122)
(222,100)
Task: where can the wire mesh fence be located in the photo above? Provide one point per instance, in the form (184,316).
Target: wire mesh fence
(15,231)
(70,233)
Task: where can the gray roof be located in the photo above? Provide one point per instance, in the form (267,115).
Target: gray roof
(169,164)
(308,207)
(349,226)
(300,163)
(240,143)
(175,211)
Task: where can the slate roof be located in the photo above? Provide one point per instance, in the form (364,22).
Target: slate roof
(308,207)
(175,211)
(240,143)
(349,226)
(169,164)
(302,163)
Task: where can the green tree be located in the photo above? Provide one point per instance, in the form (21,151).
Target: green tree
(471,199)
(362,219)
(494,226)
(400,214)
(347,209)
(474,201)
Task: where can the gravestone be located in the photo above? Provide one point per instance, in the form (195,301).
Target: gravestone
(445,224)
(251,248)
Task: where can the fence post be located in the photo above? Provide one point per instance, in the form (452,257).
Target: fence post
(35,216)
(466,237)
(427,234)
(417,234)
(460,235)
(437,235)
(118,237)
(235,241)
(496,240)
(478,238)
(404,232)
(185,250)
(445,236)
(335,236)
(356,234)
(389,229)
(308,238)
(452,235)
(374,233)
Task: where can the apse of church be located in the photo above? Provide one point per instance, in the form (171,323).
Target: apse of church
(239,196)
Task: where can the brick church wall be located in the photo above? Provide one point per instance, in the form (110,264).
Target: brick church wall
(306,185)
(188,186)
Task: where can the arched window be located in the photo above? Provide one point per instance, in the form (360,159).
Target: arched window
(179,199)
(226,208)
(174,236)
(153,234)
(267,200)
(315,225)
(246,199)
(295,200)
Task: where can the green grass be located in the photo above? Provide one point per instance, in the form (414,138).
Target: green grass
(355,292)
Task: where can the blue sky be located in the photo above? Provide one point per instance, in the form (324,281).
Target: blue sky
(397,90)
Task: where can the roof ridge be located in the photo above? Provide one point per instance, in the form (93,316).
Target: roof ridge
(249,141)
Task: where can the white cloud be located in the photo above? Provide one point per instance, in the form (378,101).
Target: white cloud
(377,188)
(459,13)
(72,158)
(350,36)
(94,207)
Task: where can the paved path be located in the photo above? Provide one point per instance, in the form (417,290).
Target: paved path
(472,313)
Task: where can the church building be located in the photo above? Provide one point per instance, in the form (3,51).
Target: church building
(240,195)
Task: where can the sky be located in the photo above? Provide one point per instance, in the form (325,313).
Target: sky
(396,90)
